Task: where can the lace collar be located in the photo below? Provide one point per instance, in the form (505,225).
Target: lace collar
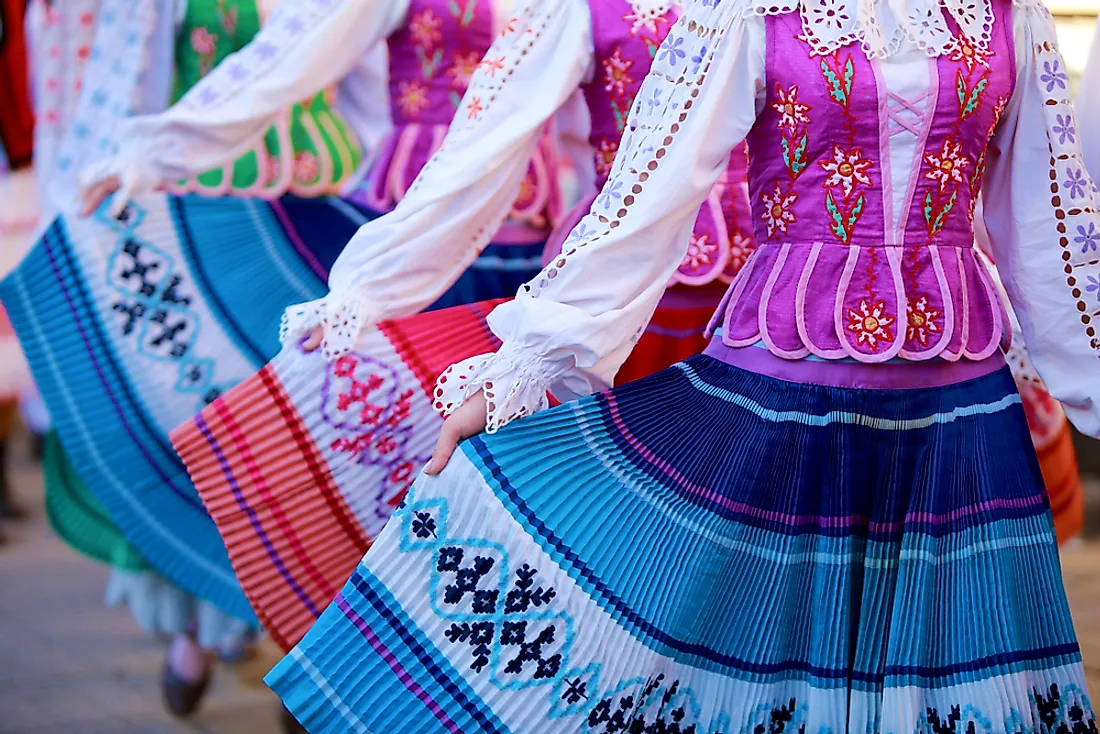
(882,26)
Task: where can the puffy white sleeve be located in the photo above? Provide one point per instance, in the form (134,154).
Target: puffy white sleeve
(570,329)
(1042,214)
(400,263)
(304,47)
(1088,106)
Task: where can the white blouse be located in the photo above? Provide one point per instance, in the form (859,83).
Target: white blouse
(570,329)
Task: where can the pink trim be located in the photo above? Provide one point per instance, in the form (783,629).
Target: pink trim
(992,297)
(324,178)
(926,128)
(402,155)
(713,205)
(964,297)
(737,289)
(286,160)
(800,308)
(542,188)
(839,317)
(765,301)
(885,165)
(948,312)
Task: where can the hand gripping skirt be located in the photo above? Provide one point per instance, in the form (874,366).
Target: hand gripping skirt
(301,465)
(132,325)
(715,550)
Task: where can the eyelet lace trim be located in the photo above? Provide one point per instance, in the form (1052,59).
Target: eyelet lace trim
(515,384)
(343,318)
(881,26)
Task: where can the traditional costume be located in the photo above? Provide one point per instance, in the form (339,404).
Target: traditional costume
(833,519)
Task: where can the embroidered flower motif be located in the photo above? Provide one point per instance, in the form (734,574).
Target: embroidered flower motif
(846,169)
(274,170)
(921,321)
(740,249)
(463,68)
(611,193)
(673,50)
(1064,129)
(969,54)
(412,97)
(792,113)
(474,108)
(650,19)
(777,210)
(699,252)
(829,13)
(617,73)
(306,167)
(425,29)
(1094,286)
(1076,182)
(509,26)
(1087,238)
(871,323)
(605,156)
(229,18)
(948,165)
(492,66)
(1053,76)
(203,41)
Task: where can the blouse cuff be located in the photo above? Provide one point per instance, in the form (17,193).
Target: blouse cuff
(134,174)
(343,318)
(515,383)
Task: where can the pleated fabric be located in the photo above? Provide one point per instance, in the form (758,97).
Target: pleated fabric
(302,464)
(78,518)
(714,550)
(133,324)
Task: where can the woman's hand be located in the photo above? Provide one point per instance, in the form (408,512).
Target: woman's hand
(92,196)
(468,420)
(313,341)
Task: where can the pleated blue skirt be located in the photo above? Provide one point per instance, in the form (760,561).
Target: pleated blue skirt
(712,550)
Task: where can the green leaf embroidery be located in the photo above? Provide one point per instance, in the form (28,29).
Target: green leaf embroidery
(940,219)
(928,210)
(428,66)
(836,89)
(975,97)
(838,218)
(795,159)
(960,88)
(849,74)
(853,216)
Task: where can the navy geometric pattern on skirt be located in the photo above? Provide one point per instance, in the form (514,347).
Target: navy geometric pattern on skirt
(714,550)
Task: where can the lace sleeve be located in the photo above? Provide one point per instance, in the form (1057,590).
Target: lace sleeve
(401,263)
(304,47)
(1042,213)
(570,328)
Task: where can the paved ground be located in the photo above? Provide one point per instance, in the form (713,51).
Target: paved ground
(70,666)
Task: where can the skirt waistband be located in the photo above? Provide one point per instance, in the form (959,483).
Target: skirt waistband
(897,375)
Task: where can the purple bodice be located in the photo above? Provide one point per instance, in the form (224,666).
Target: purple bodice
(624,44)
(837,273)
(432,59)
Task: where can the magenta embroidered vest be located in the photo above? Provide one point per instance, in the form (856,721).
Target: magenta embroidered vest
(836,274)
(624,46)
(432,58)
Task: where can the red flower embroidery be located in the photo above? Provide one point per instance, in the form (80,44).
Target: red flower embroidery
(425,29)
(777,210)
(792,113)
(846,169)
(605,156)
(921,321)
(700,251)
(948,165)
(412,97)
(616,71)
(871,323)
(203,41)
(463,68)
(969,54)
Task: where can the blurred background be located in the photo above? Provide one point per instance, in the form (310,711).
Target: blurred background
(70,665)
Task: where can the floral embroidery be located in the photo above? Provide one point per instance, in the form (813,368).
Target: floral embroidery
(412,97)
(970,54)
(947,165)
(1065,129)
(1088,237)
(605,156)
(1053,76)
(617,73)
(205,44)
(921,321)
(425,28)
(493,65)
(306,167)
(792,113)
(777,211)
(463,69)
(474,108)
(700,251)
(740,249)
(1077,183)
(847,168)
(1093,286)
(871,323)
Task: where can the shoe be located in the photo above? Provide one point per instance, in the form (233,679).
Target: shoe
(290,724)
(182,697)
